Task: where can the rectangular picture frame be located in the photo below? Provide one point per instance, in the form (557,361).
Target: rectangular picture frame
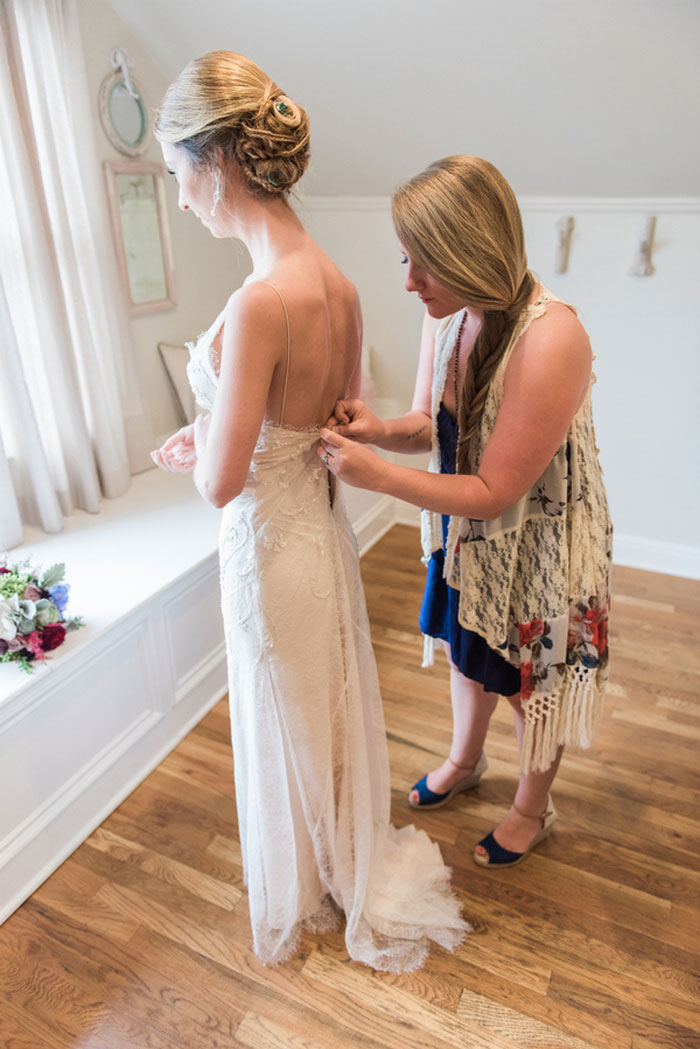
(136,195)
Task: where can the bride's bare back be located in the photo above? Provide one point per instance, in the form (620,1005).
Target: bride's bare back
(325,329)
(325,336)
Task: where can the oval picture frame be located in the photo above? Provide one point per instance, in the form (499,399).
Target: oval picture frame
(123,117)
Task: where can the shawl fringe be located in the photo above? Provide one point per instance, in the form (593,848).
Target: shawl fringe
(570,716)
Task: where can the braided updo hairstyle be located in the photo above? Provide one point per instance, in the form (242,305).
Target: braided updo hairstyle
(224,101)
(460,221)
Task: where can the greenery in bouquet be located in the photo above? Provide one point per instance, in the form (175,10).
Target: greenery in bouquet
(33,617)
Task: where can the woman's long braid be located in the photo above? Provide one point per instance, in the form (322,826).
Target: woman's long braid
(490,345)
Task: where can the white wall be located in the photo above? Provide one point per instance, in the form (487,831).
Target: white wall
(645,333)
(206,270)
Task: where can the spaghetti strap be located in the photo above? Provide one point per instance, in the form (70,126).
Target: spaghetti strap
(289,344)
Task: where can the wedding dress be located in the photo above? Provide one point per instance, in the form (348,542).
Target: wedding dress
(310,757)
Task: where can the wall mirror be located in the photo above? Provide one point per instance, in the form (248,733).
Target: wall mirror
(139,222)
(123,111)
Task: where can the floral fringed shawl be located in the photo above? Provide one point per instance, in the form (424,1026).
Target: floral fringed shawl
(535,582)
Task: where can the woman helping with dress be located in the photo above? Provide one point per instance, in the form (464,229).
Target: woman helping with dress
(515,526)
(310,756)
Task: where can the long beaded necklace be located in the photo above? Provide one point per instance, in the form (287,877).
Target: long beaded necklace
(459,339)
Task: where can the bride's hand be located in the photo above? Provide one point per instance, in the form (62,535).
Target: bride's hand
(352,418)
(353,464)
(177,454)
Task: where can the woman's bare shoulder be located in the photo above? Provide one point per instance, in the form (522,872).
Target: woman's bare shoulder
(554,350)
(556,330)
(254,307)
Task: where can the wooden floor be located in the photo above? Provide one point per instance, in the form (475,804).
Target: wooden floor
(141,938)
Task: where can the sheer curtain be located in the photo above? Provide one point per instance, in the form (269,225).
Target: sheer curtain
(73,421)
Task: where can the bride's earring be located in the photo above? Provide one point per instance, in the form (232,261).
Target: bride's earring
(217,195)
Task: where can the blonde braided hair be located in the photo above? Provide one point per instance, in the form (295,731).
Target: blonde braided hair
(460,221)
(224,102)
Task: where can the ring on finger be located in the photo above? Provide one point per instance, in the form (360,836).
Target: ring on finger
(325,457)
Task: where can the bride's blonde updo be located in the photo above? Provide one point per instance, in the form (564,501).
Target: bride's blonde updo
(223,101)
(459,220)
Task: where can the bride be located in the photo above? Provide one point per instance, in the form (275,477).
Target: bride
(311,763)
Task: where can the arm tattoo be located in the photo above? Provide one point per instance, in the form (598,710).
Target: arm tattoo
(415,434)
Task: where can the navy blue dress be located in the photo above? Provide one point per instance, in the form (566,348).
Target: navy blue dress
(438,615)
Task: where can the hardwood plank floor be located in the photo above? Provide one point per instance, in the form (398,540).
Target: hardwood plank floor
(141,938)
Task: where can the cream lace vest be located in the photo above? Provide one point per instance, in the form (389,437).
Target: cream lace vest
(535,582)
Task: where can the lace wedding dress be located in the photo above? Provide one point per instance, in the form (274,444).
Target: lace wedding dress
(309,744)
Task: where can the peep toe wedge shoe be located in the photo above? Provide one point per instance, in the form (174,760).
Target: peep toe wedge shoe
(497,856)
(422,797)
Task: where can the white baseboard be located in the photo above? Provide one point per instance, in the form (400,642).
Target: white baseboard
(374,523)
(407,514)
(656,556)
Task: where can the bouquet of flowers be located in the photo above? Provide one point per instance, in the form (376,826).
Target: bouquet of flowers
(32,612)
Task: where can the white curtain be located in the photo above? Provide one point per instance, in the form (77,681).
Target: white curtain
(73,421)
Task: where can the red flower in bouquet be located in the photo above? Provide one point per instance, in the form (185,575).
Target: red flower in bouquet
(32,642)
(52,636)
